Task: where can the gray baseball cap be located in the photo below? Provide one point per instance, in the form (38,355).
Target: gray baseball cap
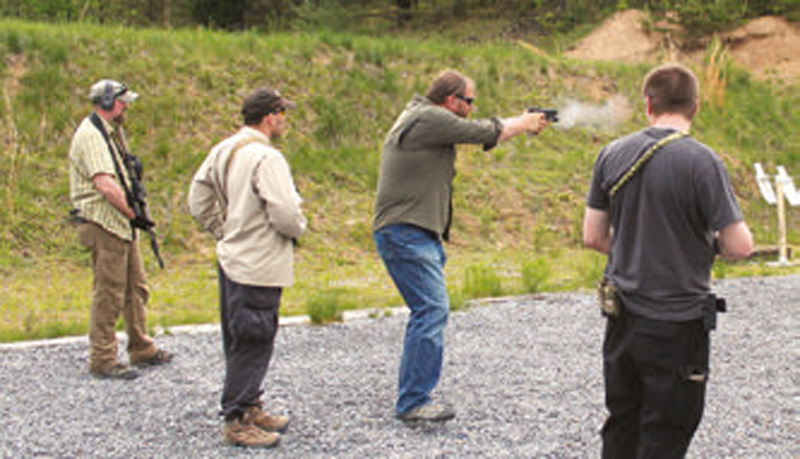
(110,90)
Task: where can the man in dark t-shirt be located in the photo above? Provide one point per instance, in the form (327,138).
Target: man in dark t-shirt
(668,218)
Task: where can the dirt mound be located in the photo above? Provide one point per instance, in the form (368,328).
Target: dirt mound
(769,46)
(620,38)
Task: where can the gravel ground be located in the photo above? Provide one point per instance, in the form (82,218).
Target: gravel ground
(524,374)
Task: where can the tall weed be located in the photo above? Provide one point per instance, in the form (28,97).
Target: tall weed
(328,306)
(535,274)
(481,281)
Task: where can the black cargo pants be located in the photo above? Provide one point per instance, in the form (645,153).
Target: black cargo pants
(249,319)
(655,376)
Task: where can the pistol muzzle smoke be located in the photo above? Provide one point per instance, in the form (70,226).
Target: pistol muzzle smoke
(573,114)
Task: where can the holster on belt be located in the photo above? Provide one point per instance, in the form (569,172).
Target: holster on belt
(75,217)
(608,298)
(712,306)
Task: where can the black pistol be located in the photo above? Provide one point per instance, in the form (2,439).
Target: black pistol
(550,114)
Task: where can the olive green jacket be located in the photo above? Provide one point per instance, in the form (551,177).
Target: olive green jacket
(415,183)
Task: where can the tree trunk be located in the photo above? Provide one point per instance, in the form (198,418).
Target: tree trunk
(405,7)
(459,8)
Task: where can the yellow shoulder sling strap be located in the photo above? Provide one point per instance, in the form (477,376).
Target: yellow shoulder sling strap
(640,162)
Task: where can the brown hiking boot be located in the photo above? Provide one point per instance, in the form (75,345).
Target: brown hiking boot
(261,419)
(159,358)
(431,413)
(118,371)
(239,433)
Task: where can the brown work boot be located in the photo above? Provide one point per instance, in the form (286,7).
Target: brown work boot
(238,433)
(261,419)
(118,371)
(159,358)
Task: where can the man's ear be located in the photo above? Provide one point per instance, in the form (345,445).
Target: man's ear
(268,121)
(451,102)
(649,105)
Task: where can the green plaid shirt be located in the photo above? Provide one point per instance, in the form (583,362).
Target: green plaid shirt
(89,156)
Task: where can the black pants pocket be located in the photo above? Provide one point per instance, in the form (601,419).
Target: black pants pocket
(253,313)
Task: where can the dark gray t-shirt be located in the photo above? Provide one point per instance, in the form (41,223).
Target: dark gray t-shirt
(663,219)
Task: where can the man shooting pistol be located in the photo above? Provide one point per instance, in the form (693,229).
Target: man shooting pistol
(550,114)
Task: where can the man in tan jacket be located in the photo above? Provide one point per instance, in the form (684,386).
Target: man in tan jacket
(244,195)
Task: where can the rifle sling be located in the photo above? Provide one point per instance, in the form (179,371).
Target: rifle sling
(643,159)
(95,119)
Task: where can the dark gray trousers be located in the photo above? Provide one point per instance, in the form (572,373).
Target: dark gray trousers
(655,377)
(249,318)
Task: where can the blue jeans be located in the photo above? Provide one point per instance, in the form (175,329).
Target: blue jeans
(415,260)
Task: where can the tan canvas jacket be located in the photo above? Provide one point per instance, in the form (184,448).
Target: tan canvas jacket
(258,216)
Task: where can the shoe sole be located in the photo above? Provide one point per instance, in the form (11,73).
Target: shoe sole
(243,445)
(151,363)
(282,430)
(442,418)
(424,420)
(118,377)
(154,362)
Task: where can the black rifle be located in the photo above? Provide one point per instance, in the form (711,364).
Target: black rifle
(550,114)
(139,202)
(135,194)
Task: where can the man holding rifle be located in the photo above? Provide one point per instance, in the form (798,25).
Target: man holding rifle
(107,215)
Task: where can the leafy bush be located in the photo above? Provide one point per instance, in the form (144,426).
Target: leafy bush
(377,15)
(702,17)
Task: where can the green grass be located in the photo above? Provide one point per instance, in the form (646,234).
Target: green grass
(535,274)
(328,306)
(518,207)
(482,281)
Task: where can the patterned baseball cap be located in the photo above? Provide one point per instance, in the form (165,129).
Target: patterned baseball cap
(111,89)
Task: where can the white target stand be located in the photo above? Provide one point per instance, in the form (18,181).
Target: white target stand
(784,190)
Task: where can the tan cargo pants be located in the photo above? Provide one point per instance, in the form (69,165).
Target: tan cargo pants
(119,286)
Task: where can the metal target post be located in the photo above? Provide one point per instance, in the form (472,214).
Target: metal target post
(784,190)
(782,249)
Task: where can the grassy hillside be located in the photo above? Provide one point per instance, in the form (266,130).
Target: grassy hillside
(518,207)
